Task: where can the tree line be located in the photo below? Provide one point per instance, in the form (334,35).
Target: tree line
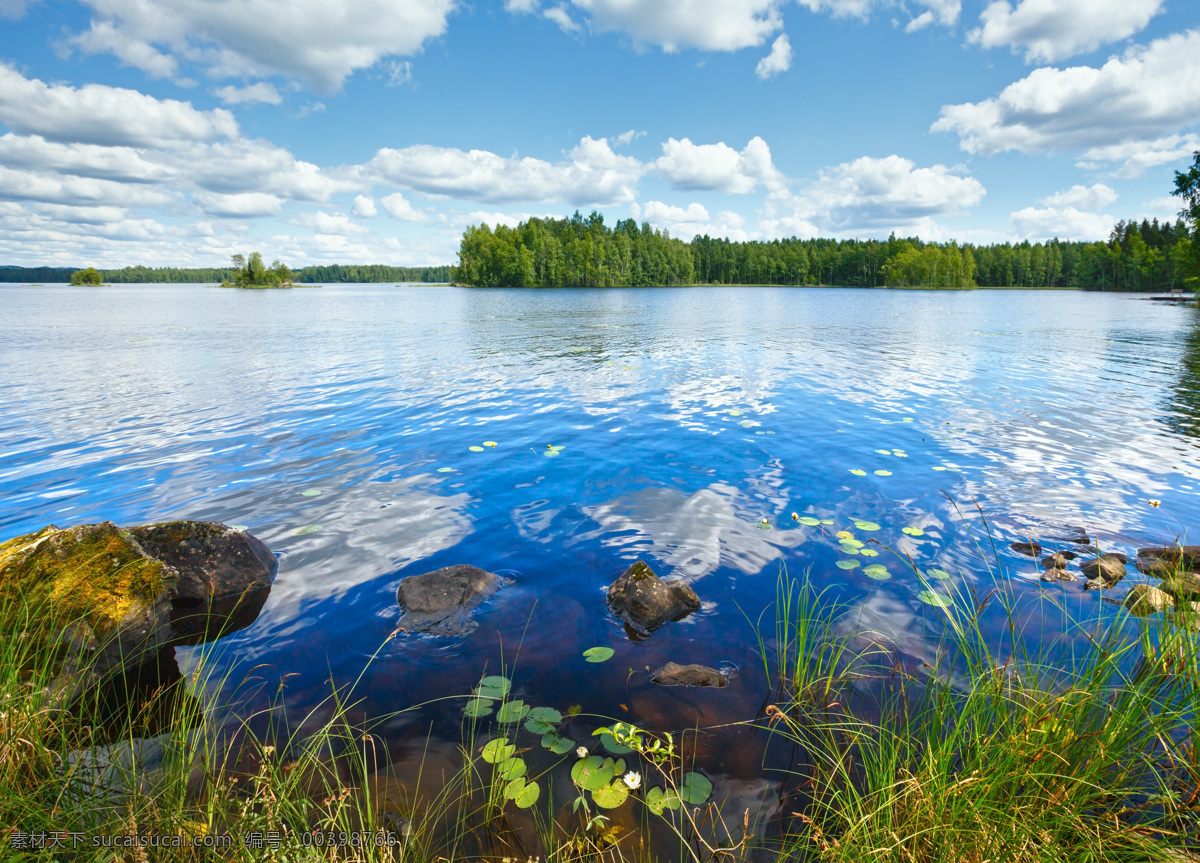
(329,273)
(584,252)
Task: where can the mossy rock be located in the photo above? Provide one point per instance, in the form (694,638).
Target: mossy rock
(645,602)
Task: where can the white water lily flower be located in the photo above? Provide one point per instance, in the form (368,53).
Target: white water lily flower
(581,752)
(633,779)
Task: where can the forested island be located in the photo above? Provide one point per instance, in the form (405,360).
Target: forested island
(326,273)
(584,252)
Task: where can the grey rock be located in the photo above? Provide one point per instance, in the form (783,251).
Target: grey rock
(1177,556)
(1095,584)
(673,674)
(1056,574)
(440,602)
(1058,560)
(1108,567)
(1184,586)
(1144,599)
(1030,549)
(646,602)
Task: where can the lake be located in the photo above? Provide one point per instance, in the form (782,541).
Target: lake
(336,423)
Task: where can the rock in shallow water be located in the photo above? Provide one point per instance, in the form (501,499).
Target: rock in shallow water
(1058,560)
(1144,599)
(673,674)
(1030,549)
(440,602)
(646,602)
(1054,573)
(1109,567)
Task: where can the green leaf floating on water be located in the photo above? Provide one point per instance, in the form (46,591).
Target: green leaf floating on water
(657,800)
(938,467)
(868,552)
(827,521)
(883,473)
(598,654)
(611,796)
(512,711)
(939,574)
(809,520)
(475,448)
(610,743)
(695,789)
(734,413)
(877,571)
(847,564)
(491,443)
(311,492)
(866,525)
(556,744)
(851,543)
(538,726)
(444,469)
(493,686)
(497,750)
(912,531)
(307,529)
(884,451)
(591,773)
(858,472)
(511,768)
(931,597)
(478,707)
(545,714)
(522,793)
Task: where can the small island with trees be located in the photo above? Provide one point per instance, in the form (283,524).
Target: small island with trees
(88,276)
(253,273)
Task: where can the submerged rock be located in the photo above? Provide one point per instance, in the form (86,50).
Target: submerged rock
(1055,573)
(646,602)
(673,674)
(1077,535)
(1108,567)
(1168,558)
(1058,560)
(1030,549)
(440,602)
(1144,599)
(117,596)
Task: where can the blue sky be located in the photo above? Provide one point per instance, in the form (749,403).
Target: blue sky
(182,131)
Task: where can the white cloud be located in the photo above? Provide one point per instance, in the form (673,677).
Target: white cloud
(98,114)
(85,215)
(322,222)
(592,174)
(54,188)
(14,8)
(364,207)
(687,222)
(712,25)
(258,166)
(628,137)
(920,22)
(83,160)
(103,37)
(263,91)
(779,60)
(398,208)
(399,73)
(560,16)
(1095,197)
(874,196)
(944,12)
(1136,157)
(1066,223)
(238,205)
(718,167)
(1130,103)
(315,41)
(1052,30)
(521,5)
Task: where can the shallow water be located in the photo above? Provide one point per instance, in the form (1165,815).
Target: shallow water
(686,416)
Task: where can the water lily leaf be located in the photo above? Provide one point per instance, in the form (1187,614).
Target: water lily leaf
(512,711)
(912,531)
(551,453)
(938,467)
(847,564)
(907,420)
(939,574)
(899,453)
(868,552)
(695,789)
(555,448)
(489,443)
(538,726)
(497,750)
(844,534)
(591,773)
(858,472)
(611,744)
(611,796)
(478,707)
(849,549)
(809,520)
(877,571)
(598,654)
(311,492)
(619,767)
(556,744)
(884,451)
(827,521)
(851,543)
(763,525)
(931,597)
(475,448)
(747,424)
(734,413)
(493,686)
(522,793)
(866,525)
(444,469)
(657,800)
(883,473)
(545,714)
(307,529)
(511,768)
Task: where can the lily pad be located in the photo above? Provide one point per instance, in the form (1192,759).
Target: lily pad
(657,800)
(538,726)
(809,520)
(931,597)
(475,448)
(695,789)
(512,711)
(883,473)
(734,413)
(545,714)
(611,796)
(556,744)
(551,453)
(511,768)
(912,531)
(610,743)
(847,564)
(478,707)
(598,654)
(907,420)
(489,443)
(493,686)
(591,773)
(899,453)
(938,467)
(763,525)
(311,492)
(844,534)
(522,793)
(444,469)
(868,552)
(866,525)
(884,451)
(858,472)
(307,529)
(827,521)
(497,750)
(939,574)
(877,571)
(851,543)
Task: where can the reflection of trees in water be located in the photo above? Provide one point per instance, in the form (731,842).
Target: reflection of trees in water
(1184,417)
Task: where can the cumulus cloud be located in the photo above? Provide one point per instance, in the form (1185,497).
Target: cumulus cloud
(263,91)
(364,207)
(315,41)
(628,137)
(322,222)
(54,188)
(103,37)
(1095,197)
(591,174)
(944,12)
(84,160)
(1134,158)
(238,205)
(98,114)
(14,8)
(560,16)
(1050,30)
(398,208)
(718,167)
(1066,223)
(712,25)
(687,222)
(1129,103)
(779,60)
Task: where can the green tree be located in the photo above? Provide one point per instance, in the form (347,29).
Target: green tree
(1187,187)
(90,276)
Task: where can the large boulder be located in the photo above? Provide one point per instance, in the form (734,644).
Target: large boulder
(1144,599)
(645,602)
(440,602)
(674,674)
(115,597)
(1108,567)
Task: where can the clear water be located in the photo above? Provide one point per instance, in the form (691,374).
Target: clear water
(686,416)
